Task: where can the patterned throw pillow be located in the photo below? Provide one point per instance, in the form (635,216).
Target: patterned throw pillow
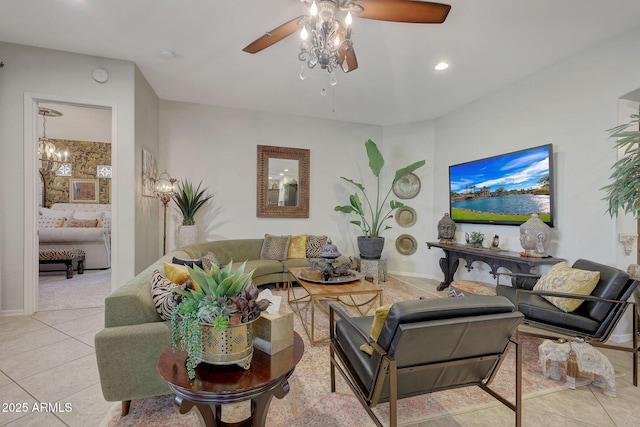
(163,297)
(51,222)
(208,260)
(314,244)
(562,278)
(298,247)
(275,247)
(83,223)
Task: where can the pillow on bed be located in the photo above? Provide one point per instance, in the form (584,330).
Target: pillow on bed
(83,223)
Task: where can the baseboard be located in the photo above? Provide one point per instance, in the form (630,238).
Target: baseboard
(6,313)
(418,275)
(620,338)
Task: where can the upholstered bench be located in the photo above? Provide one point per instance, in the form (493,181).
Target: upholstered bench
(64,256)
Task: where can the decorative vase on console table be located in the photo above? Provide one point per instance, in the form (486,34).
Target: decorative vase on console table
(535,236)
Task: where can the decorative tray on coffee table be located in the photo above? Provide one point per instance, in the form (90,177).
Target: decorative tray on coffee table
(353,276)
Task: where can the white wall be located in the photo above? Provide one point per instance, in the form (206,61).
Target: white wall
(218,146)
(77,123)
(58,76)
(147,209)
(403,145)
(571,105)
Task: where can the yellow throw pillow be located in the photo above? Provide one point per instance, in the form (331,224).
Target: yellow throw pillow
(176,273)
(297,247)
(562,278)
(376,326)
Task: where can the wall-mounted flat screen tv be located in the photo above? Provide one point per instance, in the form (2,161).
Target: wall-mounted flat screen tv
(504,189)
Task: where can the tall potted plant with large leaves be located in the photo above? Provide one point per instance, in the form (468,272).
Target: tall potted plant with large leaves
(189,200)
(372,216)
(624,191)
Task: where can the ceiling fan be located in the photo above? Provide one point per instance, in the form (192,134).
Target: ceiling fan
(326,39)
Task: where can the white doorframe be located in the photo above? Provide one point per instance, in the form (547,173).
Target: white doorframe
(31,100)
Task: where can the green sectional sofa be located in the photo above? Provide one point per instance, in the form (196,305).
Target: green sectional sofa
(128,348)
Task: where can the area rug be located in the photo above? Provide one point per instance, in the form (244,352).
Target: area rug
(310,402)
(56,292)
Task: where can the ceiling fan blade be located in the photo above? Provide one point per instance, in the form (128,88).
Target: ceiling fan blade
(274,36)
(403,11)
(348,55)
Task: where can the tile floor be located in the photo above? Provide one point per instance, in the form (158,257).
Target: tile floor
(49,357)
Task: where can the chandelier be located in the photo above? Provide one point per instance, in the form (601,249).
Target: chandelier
(326,41)
(49,158)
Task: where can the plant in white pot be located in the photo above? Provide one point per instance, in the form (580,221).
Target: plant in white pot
(373,216)
(189,200)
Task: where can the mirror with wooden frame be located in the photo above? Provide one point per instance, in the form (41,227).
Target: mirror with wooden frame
(283,182)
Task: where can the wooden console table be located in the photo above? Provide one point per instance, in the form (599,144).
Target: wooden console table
(495,258)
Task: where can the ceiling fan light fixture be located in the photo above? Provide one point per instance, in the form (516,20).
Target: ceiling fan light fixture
(326,37)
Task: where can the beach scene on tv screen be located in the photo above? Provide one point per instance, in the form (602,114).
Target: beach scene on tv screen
(507,188)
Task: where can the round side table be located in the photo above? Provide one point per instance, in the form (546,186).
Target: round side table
(216,385)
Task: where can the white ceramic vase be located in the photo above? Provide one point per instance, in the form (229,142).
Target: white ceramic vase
(187,235)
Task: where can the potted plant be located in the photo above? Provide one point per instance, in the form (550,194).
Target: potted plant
(212,323)
(189,200)
(373,217)
(622,193)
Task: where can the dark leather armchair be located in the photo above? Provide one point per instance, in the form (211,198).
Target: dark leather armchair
(425,346)
(594,320)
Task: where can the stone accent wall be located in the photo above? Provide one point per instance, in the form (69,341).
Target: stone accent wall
(86,155)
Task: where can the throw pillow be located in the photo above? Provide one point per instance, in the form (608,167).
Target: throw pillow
(51,222)
(275,247)
(105,222)
(83,223)
(298,247)
(562,278)
(189,262)
(208,260)
(88,215)
(177,273)
(376,327)
(314,244)
(50,213)
(101,216)
(164,298)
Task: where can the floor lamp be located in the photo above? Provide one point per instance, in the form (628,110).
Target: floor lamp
(164,187)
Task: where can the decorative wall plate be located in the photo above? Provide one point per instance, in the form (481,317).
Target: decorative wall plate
(406,244)
(406,216)
(407,187)
(352,277)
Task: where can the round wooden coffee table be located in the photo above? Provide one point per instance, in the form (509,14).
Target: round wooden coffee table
(216,385)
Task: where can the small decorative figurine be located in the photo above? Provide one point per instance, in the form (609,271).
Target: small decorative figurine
(495,242)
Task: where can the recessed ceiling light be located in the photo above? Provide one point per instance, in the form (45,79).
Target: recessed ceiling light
(442,66)
(167,53)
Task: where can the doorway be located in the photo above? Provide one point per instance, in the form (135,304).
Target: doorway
(80,130)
